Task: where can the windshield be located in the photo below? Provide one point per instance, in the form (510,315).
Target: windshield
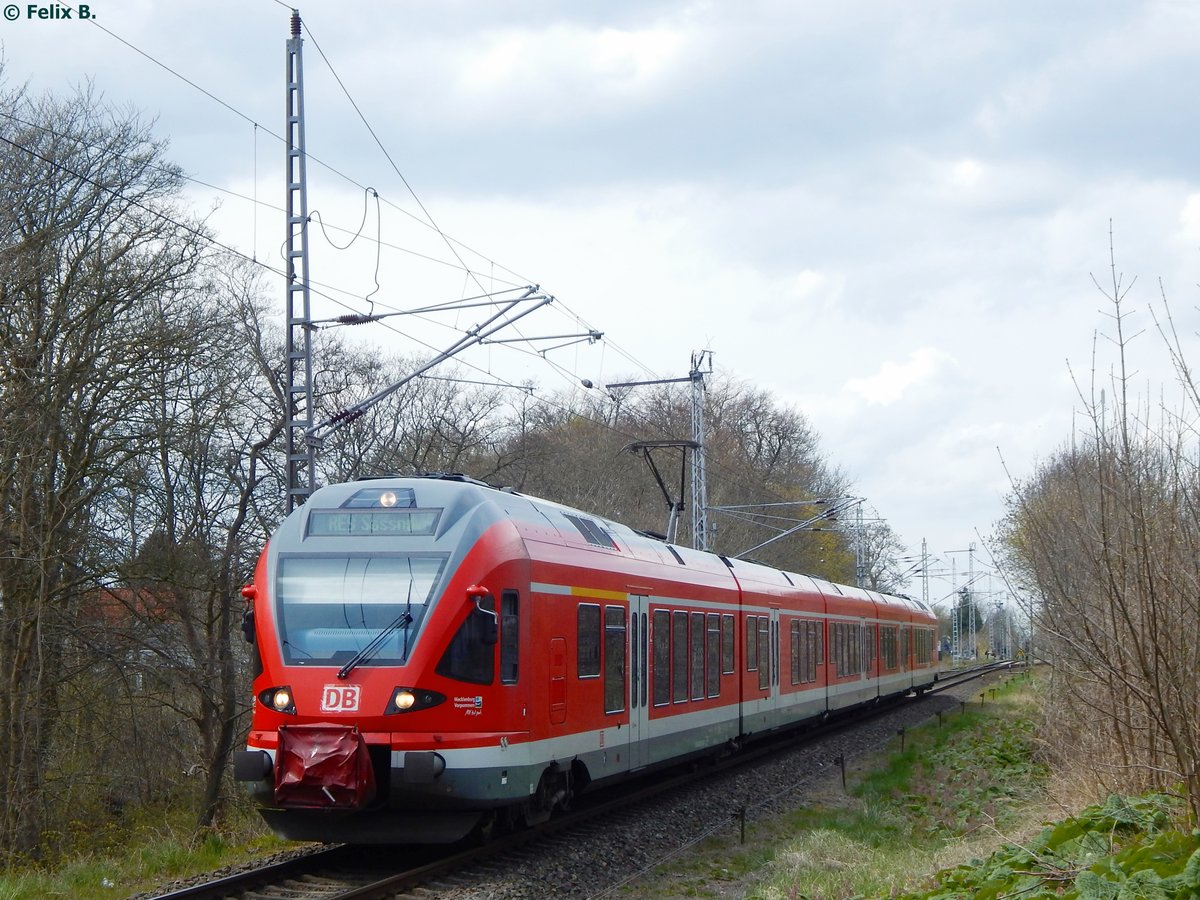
(330,608)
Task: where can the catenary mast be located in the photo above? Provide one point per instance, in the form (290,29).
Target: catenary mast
(299,388)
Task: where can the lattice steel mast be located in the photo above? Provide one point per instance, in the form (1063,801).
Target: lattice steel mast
(700,540)
(298,397)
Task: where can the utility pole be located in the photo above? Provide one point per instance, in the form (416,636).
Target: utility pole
(925,572)
(701,366)
(971,608)
(298,399)
(956,619)
(699,472)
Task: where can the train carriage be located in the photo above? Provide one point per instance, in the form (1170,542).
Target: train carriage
(436,654)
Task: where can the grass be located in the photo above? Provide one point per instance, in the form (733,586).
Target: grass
(951,794)
(141,853)
(966,796)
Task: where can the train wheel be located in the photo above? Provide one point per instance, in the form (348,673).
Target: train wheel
(553,792)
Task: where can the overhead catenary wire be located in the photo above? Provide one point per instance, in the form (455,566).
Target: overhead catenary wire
(452,244)
(562,307)
(204,236)
(734,476)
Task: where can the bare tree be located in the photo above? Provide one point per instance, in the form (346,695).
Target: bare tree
(92,253)
(1107,536)
(206,503)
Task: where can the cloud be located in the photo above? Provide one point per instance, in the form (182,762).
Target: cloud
(893,380)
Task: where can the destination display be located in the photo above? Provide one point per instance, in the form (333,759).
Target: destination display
(356,522)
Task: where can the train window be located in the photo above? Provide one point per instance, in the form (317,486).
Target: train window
(634,660)
(643,657)
(727,637)
(775,653)
(764,651)
(848,649)
(751,643)
(904,661)
(820,643)
(679,660)
(795,634)
(509,636)
(331,607)
(697,656)
(924,646)
(662,657)
(589,641)
(712,668)
(469,657)
(813,643)
(614,659)
(839,648)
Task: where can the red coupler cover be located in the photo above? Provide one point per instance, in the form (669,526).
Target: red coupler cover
(323,767)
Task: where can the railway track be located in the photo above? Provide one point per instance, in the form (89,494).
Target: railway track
(366,873)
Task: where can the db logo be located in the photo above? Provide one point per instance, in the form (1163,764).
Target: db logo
(340,698)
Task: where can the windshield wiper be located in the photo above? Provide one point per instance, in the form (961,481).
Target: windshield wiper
(401,621)
(404,619)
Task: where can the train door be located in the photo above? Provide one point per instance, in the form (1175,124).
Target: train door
(774,702)
(639,677)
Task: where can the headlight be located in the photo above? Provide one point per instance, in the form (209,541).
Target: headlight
(278,699)
(406,699)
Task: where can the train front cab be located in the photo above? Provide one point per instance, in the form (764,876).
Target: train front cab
(411,742)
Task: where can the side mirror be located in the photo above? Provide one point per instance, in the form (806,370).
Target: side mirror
(489,632)
(248,624)
(249,591)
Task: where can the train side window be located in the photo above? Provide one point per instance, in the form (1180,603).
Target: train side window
(697,656)
(813,641)
(642,657)
(794,631)
(764,651)
(589,641)
(662,657)
(713,659)
(727,638)
(820,643)
(751,643)
(468,657)
(614,659)
(679,658)
(843,651)
(509,636)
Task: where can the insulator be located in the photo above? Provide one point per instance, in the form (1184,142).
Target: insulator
(295,23)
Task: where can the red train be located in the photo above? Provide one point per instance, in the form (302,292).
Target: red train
(436,655)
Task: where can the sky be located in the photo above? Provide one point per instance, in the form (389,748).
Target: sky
(893,216)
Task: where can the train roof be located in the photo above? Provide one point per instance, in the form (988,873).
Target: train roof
(457,494)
